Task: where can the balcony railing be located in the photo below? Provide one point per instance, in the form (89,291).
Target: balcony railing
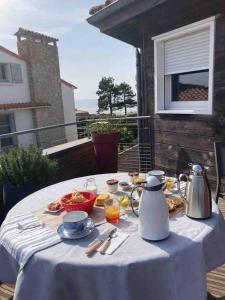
(135,148)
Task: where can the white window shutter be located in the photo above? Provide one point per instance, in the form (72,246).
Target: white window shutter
(16,73)
(187,53)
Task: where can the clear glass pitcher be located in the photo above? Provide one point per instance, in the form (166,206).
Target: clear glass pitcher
(90,185)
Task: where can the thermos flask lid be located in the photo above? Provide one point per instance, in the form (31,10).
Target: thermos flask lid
(197,170)
(153,184)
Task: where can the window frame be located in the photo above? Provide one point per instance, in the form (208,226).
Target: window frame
(6,67)
(16,67)
(162,103)
(10,77)
(11,125)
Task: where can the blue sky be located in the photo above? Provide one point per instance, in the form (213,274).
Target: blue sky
(85,54)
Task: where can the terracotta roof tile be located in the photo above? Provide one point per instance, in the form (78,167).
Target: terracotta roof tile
(23,105)
(22,32)
(193,94)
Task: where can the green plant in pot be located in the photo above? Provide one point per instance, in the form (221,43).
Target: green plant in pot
(105,138)
(22,172)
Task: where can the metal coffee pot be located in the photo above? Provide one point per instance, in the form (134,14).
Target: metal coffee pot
(197,195)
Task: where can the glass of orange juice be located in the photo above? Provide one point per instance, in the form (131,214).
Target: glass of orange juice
(169,183)
(112,210)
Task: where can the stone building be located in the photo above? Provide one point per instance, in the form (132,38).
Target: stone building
(52,99)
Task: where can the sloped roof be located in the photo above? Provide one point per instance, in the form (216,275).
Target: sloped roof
(10,52)
(110,8)
(95,9)
(22,32)
(121,19)
(19,57)
(68,83)
(23,105)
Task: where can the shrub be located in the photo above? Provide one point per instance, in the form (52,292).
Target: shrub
(26,167)
(102,128)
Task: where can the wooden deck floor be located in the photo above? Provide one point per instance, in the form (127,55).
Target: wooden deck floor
(215,280)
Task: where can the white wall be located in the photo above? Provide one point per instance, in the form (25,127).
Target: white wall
(14,92)
(23,121)
(69,111)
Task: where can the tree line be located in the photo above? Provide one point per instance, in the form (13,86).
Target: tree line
(115,97)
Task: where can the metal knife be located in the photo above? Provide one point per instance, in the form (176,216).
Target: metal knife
(102,249)
(97,243)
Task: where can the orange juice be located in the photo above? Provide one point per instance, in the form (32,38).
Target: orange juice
(112,214)
(169,183)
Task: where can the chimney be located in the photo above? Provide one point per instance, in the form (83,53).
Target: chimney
(41,54)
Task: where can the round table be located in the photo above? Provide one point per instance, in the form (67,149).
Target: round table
(173,269)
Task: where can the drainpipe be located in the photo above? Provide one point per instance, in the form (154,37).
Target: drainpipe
(138,82)
(145,130)
(139,109)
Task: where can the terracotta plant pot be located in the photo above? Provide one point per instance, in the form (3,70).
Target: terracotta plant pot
(106,151)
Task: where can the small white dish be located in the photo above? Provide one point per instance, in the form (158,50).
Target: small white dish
(168,193)
(64,234)
(54,211)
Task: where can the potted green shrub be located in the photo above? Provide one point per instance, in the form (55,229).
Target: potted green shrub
(105,138)
(22,172)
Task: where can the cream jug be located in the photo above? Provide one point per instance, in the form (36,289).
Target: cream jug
(153,211)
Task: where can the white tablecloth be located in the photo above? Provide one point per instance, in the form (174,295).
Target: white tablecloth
(173,269)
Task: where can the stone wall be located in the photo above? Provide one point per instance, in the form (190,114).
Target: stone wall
(45,86)
(180,139)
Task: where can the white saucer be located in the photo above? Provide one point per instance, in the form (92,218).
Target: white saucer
(64,234)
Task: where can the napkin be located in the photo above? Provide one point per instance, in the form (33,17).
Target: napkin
(116,242)
(22,245)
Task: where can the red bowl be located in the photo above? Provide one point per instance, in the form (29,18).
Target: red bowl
(87,205)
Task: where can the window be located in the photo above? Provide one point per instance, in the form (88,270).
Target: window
(6,126)
(184,61)
(10,73)
(3,73)
(191,86)
(16,73)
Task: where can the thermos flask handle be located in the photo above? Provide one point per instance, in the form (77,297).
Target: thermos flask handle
(133,199)
(182,177)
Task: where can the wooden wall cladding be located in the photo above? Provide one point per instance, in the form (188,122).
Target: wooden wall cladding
(179,142)
(180,139)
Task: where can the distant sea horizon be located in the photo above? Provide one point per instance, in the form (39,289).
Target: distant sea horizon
(91,105)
